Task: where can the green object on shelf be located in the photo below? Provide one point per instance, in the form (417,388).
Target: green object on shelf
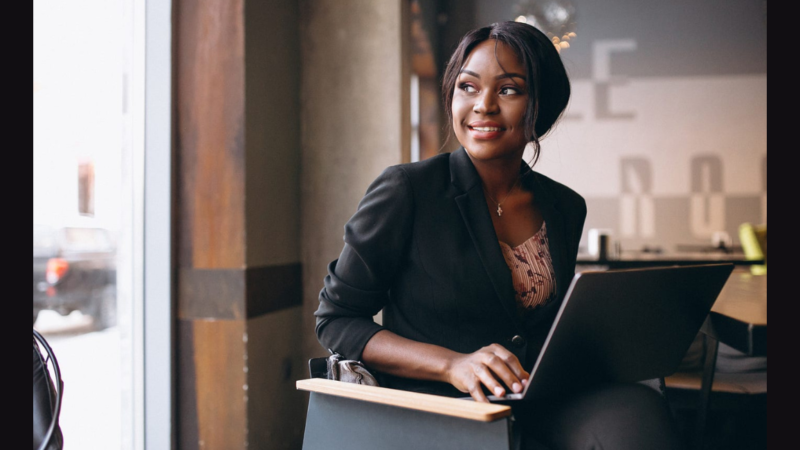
(754,244)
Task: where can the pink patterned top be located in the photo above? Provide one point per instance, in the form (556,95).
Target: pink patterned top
(531,270)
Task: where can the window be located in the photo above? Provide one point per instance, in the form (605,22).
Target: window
(91,66)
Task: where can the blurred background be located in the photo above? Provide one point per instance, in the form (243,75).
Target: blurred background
(256,127)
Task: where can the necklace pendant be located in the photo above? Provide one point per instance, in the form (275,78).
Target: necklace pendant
(499,211)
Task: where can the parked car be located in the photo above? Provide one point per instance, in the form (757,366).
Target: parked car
(74,269)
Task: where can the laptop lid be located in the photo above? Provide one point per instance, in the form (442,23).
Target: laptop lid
(624,326)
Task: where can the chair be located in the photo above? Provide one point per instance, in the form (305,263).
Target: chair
(698,382)
(356,417)
(736,389)
(46,397)
(353,416)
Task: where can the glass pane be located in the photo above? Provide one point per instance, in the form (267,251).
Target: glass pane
(81,195)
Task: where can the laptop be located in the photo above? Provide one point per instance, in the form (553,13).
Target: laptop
(623,326)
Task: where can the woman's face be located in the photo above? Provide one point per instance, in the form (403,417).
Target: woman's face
(489,103)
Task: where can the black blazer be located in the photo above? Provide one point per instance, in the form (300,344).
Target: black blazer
(422,247)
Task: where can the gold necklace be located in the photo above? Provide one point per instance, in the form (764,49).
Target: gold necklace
(499,209)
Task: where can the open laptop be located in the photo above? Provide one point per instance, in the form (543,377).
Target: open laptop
(623,326)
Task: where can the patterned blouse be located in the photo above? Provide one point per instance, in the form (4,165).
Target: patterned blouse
(531,270)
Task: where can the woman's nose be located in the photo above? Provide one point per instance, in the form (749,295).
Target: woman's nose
(485,104)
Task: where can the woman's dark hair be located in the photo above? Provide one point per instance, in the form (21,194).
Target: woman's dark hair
(547,81)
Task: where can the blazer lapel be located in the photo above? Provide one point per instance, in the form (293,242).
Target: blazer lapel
(475,214)
(555,232)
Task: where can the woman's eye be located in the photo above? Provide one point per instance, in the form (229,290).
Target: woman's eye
(467,88)
(509,91)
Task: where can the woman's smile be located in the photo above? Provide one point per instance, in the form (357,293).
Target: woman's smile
(485,130)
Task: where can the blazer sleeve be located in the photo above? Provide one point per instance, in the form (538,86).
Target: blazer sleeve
(358,282)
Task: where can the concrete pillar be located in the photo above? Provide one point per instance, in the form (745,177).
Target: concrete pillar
(355,122)
(285,113)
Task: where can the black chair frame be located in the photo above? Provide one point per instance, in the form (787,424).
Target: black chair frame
(39,341)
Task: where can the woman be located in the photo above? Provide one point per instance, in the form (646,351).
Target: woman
(469,255)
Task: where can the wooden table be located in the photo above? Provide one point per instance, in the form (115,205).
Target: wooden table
(739,316)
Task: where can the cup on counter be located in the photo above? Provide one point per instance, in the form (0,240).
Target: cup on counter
(600,245)
(721,240)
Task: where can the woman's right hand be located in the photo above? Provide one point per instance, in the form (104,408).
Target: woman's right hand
(486,366)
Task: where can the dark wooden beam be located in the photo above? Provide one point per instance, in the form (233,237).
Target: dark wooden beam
(236,294)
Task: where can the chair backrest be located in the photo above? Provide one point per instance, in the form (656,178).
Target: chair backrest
(47,397)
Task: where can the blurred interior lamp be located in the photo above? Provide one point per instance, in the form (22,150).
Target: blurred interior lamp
(555,18)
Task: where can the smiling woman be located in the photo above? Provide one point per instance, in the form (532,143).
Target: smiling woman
(470,254)
(489,104)
(521,59)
